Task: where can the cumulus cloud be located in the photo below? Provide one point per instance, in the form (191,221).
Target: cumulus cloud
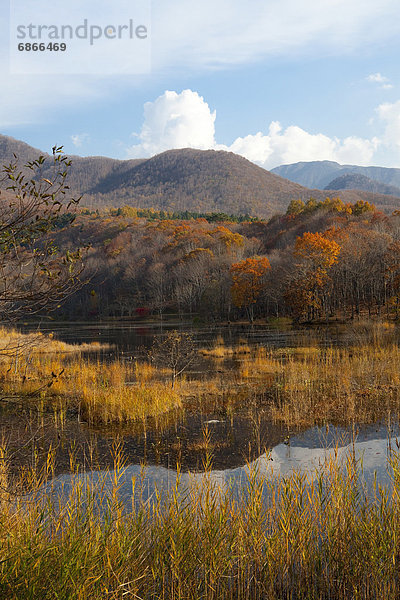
(175,121)
(389,114)
(294,144)
(185,120)
(377,78)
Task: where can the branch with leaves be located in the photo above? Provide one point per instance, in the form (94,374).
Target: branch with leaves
(34,273)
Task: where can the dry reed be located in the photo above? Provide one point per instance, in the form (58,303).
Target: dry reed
(308,536)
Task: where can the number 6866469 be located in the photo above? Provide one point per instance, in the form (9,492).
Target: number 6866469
(42,47)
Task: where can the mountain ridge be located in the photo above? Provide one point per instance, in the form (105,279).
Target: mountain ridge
(319,174)
(186,179)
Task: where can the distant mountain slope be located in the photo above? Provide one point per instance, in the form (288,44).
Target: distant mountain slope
(187,179)
(355,181)
(202,181)
(319,174)
(9,146)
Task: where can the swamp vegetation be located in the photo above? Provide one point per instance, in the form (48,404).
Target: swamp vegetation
(316,534)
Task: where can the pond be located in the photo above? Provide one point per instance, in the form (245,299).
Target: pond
(232,440)
(135,337)
(308,452)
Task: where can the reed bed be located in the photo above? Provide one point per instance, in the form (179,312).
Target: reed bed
(102,392)
(312,385)
(311,536)
(299,386)
(14,343)
(336,384)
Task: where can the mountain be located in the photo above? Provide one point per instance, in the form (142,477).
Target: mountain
(320,174)
(355,181)
(187,179)
(9,146)
(317,174)
(199,180)
(85,172)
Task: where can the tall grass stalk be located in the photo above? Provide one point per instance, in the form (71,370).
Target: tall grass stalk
(307,536)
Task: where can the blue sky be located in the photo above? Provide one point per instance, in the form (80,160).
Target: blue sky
(276,81)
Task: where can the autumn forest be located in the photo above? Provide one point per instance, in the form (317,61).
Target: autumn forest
(321,260)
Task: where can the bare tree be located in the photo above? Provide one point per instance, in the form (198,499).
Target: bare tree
(176,351)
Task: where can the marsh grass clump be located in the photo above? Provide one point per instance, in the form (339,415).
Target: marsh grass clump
(314,535)
(122,404)
(102,392)
(221,351)
(13,344)
(60,375)
(342,384)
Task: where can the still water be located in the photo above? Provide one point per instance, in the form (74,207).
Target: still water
(308,452)
(237,442)
(135,337)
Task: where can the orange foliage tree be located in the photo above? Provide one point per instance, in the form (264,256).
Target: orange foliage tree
(307,293)
(247,277)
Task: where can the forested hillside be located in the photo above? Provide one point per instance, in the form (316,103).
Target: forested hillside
(319,260)
(355,181)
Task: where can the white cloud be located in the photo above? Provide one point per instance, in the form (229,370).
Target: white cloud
(79,139)
(377,78)
(294,144)
(192,35)
(389,114)
(355,150)
(175,121)
(380,79)
(185,120)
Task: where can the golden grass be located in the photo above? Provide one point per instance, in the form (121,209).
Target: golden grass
(13,342)
(315,537)
(103,392)
(298,386)
(219,350)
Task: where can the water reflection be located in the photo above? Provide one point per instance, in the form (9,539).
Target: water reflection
(235,438)
(304,453)
(133,337)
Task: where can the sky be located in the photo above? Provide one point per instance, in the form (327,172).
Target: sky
(277,81)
